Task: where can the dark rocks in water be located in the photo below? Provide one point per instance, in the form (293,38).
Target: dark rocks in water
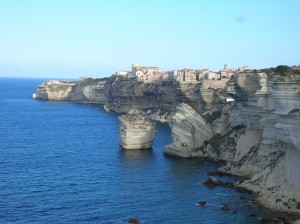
(253,215)
(219,173)
(273,221)
(213,182)
(133,221)
(225,208)
(201,203)
(243,190)
(233,212)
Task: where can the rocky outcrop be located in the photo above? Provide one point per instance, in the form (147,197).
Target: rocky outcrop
(91,90)
(257,134)
(264,83)
(87,89)
(54,90)
(136,131)
(214,94)
(289,78)
(153,113)
(263,145)
(189,132)
(122,95)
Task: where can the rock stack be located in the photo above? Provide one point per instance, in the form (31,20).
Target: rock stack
(136,131)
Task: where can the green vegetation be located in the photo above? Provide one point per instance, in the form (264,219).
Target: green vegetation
(282,70)
(266,70)
(61,87)
(89,81)
(297,71)
(113,78)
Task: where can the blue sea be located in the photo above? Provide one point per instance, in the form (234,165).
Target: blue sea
(60,162)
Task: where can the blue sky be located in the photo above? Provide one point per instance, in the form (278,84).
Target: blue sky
(73,38)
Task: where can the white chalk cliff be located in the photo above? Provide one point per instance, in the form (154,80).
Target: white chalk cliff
(136,131)
(264,145)
(189,131)
(257,134)
(54,90)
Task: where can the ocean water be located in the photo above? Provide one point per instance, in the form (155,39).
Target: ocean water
(60,162)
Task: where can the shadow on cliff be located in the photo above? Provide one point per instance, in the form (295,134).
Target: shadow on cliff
(245,85)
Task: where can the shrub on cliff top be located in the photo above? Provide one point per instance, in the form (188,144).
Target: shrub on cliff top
(282,69)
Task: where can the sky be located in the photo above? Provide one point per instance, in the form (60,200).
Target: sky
(79,38)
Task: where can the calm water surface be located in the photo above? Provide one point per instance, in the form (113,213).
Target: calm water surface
(60,162)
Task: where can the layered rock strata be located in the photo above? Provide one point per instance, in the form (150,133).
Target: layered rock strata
(136,131)
(153,113)
(189,131)
(263,145)
(91,90)
(257,134)
(55,90)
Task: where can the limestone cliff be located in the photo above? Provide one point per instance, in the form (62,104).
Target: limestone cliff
(91,90)
(263,145)
(256,132)
(122,95)
(54,90)
(136,131)
(189,131)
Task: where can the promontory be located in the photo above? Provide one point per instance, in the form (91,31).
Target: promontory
(245,117)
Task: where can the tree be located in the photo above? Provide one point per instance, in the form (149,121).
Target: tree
(282,69)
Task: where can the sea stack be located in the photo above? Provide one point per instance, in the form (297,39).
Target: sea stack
(136,131)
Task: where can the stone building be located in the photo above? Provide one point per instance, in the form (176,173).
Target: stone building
(227,73)
(145,74)
(153,77)
(202,73)
(180,76)
(121,73)
(244,68)
(213,75)
(145,69)
(186,75)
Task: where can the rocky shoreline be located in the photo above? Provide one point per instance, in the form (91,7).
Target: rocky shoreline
(257,134)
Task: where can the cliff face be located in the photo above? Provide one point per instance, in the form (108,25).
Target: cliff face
(136,131)
(263,145)
(92,90)
(274,160)
(122,95)
(189,131)
(54,90)
(257,134)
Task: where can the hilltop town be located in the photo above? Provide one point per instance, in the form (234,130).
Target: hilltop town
(154,75)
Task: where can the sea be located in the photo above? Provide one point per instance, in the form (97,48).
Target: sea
(60,162)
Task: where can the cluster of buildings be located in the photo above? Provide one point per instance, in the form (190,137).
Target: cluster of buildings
(154,75)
